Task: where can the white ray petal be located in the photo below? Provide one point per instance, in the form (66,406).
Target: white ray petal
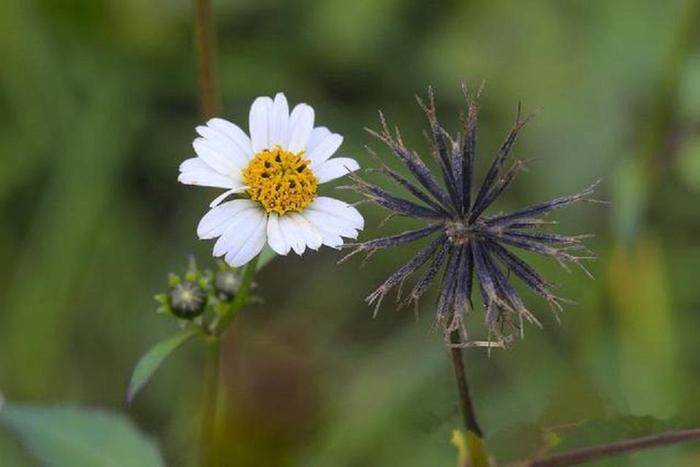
(293,234)
(216,221)
(324,149)
(275,236)
(195,171)
(301,123)
(248,245)
(258,123)
(279,122)
(312,237)
(235,133)
(238,230)
(338,209)
(226,194)
(334,168)
(317,135)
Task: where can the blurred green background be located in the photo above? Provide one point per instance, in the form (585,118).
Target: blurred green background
(99,103)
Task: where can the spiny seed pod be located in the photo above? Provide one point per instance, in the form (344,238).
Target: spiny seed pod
(187,299)
(227,284)
(473,247)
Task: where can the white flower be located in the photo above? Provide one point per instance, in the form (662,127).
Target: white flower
(277,170)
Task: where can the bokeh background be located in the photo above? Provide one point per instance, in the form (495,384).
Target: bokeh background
(99,103)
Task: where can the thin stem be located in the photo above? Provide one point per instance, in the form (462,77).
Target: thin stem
(579,456)
(222,323)
(210,98)
(465,400)
(210,402)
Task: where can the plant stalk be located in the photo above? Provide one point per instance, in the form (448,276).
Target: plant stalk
(465,400)
(579,456)
(210,403)
(222,323)
(210,97)
(210,106)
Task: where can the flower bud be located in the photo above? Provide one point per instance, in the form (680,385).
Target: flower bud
(227,284)
(187,299)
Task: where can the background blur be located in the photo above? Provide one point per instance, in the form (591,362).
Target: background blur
(99,103)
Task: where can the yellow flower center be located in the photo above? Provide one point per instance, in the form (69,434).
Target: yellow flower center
(280,180)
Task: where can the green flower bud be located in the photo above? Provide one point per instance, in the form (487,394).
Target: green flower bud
(227,284)
(187,299)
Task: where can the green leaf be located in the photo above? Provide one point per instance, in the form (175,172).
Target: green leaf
(152,359)
(78,437)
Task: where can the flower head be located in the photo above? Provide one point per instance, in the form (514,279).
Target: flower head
(276,171)
(472,248)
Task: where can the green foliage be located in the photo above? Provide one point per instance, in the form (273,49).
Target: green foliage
(99,105)
(78,437)
(151,360)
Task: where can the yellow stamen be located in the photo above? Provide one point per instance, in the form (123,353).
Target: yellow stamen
(280,181)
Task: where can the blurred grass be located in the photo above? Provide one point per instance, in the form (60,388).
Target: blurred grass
(99,105)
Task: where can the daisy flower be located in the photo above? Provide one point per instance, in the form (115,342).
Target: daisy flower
(276,171)
(473,248)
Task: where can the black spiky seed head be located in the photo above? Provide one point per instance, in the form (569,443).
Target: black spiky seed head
(227,283)
(469,246)
(187,299)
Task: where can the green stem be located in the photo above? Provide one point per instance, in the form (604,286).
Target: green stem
(210,402)
(222,323)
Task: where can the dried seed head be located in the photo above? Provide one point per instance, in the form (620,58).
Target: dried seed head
(471,247)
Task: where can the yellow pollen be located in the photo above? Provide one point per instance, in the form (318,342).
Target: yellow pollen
(280,180)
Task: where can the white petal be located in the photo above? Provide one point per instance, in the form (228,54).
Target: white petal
(293,234)
(194,163)
(334,168)
(216,221)
(275,237)
(239,230)
(301,123)
(279,122)
(215,156)
(195,171)
(318,134)
(312,237)
(258,120)
(329,234)
(247,248)
(338,209)
(235,133)
(223,144)
(324,149)
(331,227)
(217,201)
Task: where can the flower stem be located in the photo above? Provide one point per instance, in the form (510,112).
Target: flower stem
(477,450)
(210,98)
(465,400)
(241,298)
(579,456)
(210,402)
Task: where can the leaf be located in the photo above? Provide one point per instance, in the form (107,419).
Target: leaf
(78,437)
(152,359)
